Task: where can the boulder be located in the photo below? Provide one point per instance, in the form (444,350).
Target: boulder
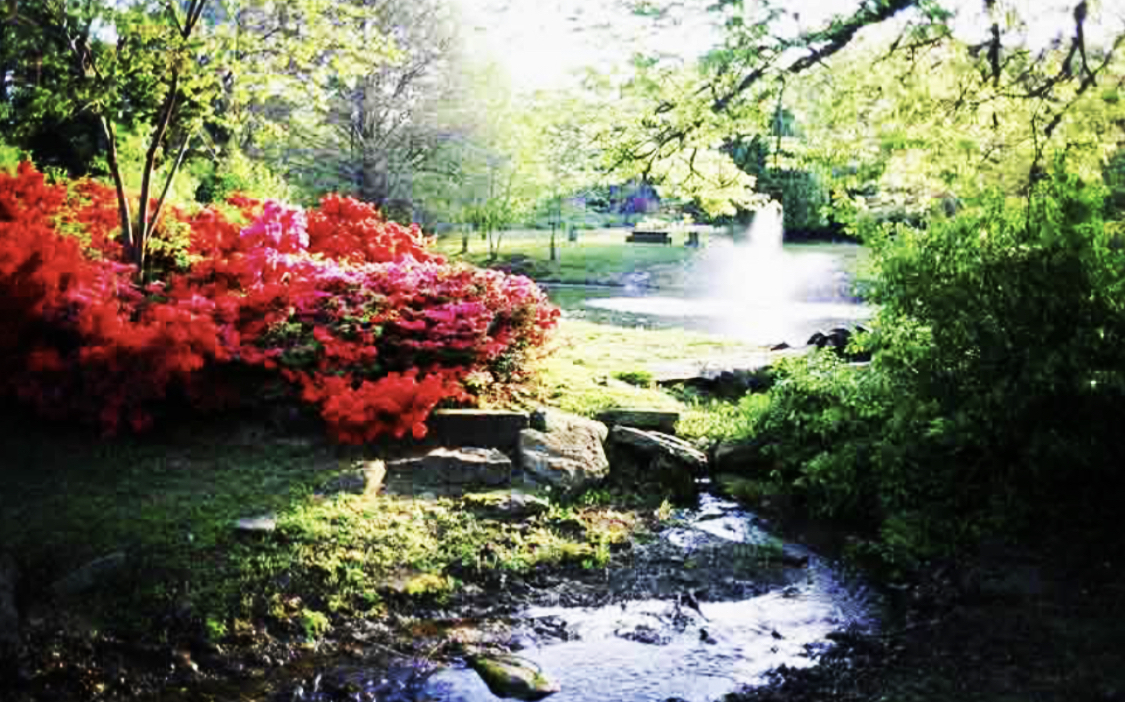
(642,459)
(512,677)
(450,471)
(9,615)
(568,456)
(498,429)
(505,504)
(90,576)
(837,339)
(649,419)
(553,420)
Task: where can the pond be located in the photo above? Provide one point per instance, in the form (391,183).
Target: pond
(757,291)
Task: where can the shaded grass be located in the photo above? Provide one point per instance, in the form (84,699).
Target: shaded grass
(169,503)
(598,256)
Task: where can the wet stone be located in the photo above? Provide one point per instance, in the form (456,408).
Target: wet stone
(510,676)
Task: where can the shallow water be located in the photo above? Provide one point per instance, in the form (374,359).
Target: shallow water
(651,649)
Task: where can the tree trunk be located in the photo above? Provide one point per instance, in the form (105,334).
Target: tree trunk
(555,217)
(118,184)
(144,223)
(464,239)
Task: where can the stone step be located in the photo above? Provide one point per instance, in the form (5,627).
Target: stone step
(497,429)
(638,418)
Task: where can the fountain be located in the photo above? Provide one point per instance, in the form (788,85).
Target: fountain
(757,290)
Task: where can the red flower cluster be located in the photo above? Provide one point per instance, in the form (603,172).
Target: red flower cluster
(349,230)
(353,311)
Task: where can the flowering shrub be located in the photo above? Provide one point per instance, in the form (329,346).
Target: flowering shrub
(352,311)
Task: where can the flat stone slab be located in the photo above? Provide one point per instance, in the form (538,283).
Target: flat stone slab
(498,429)
(550,420)
(648,460)
(506,504)
(648,419)
(711,368)
(655,444)
(447,471)
(264,524)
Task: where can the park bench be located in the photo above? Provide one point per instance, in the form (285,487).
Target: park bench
(649,237)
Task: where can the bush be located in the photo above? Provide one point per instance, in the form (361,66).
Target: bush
(236,174)
(993,393)
(641,378)
(1019,334)
(352,312)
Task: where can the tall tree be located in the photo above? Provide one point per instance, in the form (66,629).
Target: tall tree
(155,68)
(764,49)
(169,69)
(376,135)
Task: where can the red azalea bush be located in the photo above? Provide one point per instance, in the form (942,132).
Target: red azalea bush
(352,311)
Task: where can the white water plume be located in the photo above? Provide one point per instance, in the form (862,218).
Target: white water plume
(756,289)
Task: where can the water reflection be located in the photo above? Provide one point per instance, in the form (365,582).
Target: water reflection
(756,291)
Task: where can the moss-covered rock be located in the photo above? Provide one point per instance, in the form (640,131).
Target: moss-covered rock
(511,677)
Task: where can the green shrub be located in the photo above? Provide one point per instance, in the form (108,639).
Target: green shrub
(993,393)
(640,378)
(1019,336)
(10,157)
(237,174)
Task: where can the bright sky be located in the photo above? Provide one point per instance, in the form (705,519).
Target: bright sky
(542,42)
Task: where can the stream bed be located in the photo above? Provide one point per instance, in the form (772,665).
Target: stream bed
(709,605)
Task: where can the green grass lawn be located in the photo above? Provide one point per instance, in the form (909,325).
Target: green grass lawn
(599,255)
(583,374)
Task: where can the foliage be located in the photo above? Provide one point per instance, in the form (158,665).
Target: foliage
(641,378)
(10,157)
(350,310)
(236,174)
(998,362)
(1019,308)
(1114,176)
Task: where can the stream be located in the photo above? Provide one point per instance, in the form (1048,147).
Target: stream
(711,604)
